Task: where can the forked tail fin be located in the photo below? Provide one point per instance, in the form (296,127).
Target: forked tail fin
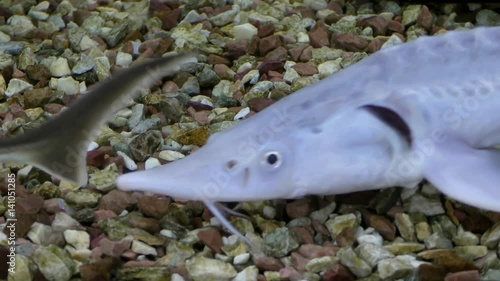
(59,146)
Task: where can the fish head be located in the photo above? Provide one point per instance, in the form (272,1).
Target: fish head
(243,163)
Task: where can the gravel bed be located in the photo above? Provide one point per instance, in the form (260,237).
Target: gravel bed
(251,53)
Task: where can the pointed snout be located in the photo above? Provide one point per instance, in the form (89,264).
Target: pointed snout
(182,179)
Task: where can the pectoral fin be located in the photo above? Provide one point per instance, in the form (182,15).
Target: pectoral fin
(469,175)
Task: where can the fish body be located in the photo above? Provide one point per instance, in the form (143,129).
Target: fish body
(59,146)
(425,109)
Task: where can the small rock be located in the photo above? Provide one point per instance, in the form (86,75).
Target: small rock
(242,114)
(491,237)
(128,162)
(241,259)
(250,273)
(145,145)
(54,263)
(60,67)
(123,59)
(425,18)
(244,31)
(42,234)
(105,179)
(318,36)
(321,264)
(266,263)
(471,275)
(410,14)
(405,226)
(117,201)
(471,252)
(280,242)
(151,163)
(338,223)
(170,155)
(201,268)
(17,86)
(68,85)
(398,267)
(372,254)
(305,69)
(355,264)
(76,238)
(143,248)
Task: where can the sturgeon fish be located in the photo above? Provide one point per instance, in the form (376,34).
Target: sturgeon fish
(427,109)
(59,146)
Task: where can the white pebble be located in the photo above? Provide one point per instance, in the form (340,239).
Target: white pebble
(176,277)
(77,238)
(17,86)
(244,31)
(92,146)
(143,248)
(242,113)
(168,233)
(123,59)
(127,161)
(170,155)
(60,68)
(269,212)
(241,258)
(151,163)
(68,85)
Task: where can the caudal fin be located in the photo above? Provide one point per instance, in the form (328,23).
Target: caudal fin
(59,146)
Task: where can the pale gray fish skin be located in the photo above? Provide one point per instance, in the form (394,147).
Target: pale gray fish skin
(59,146)
(445,88)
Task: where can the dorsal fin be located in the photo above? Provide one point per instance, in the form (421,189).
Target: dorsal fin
(392,119)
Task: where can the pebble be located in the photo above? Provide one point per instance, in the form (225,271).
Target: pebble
(405,226)
(244,31)
(170,155)
(63,221)
(128,162)
(54,263)
(68,85)
(42,234)
(242,114)
(123,59)
(394,40)
(16,86)
(352,261)
(241,259)
(321,264)
(250,273)
(338,223)
(105,179)
(471,252)
(491,237)
(201,268)
(143,248)
(22,26)
(397,267)
(372,254)
(151,163)
(280,242)
(60,68)
(77,238)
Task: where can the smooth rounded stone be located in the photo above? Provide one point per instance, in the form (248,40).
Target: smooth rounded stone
(280,242)
(201,268)
(244,31)
(352,261)
(60,67)
(423,230)
(104,180)
(401,248)
(151,163)
(241,259)
(242,114)
(405,227)
(16,86)
(323,214)
(42,234)
(82,198)
(76,238)
(486,17)
(68,85)
(338,223)
(145,145)
(465,238)
(146,125)
(471,252)
(321,264)
(143,248)
(191,86)
(21,26)
(170,155)
(54,263)
(398,267)
(437,241)
(491,237)
(250,273)
(372,253)
(420,204)
(128,162)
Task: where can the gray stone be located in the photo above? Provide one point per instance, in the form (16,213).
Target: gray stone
(491,237)
(191,87)
(338,223)
(207,77)
(105,179)
(405,226)
(17,86)
(420,204)
(487,17)
(398,267)
(410,14)
(22,26)
(372,253)
(143,126)
(42,234)
(465,238)
(438,241)
(201,268)
(145,145)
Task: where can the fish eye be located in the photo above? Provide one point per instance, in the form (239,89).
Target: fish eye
(272,158)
